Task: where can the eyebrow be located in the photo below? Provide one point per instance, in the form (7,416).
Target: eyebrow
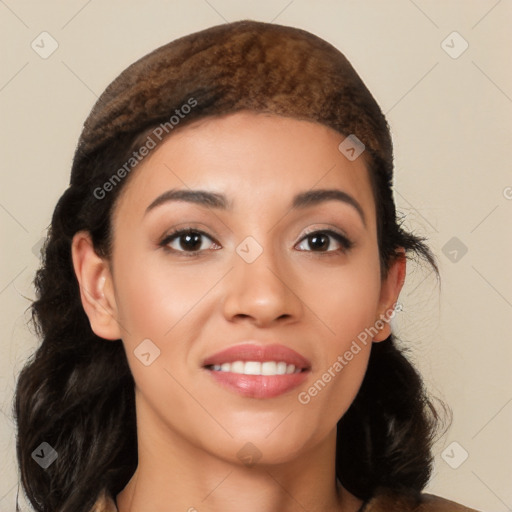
(221,202)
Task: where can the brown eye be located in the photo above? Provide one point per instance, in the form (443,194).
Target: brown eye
(186,241)
(320,241)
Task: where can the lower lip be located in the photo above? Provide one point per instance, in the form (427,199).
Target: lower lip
(259,386)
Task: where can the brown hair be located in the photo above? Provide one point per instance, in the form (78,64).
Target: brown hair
(65,396)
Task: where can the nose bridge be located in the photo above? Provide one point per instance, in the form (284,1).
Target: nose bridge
(259,284)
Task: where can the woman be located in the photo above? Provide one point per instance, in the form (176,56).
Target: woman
(224,186)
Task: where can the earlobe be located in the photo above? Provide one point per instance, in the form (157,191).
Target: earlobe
(96,287)
(390,290)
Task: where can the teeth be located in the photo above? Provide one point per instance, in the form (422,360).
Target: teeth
(269,368)
(281,368)
(236,367)
(257,368)
(252,368)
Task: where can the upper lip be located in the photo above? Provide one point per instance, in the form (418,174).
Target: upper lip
(251,351)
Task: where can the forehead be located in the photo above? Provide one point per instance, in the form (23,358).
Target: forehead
(255,159)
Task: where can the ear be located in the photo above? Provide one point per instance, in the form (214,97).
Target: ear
(390,290)
(96,287)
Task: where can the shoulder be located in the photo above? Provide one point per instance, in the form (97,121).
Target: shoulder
(392,501)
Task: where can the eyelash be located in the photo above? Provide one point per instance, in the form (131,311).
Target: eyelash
(176,234)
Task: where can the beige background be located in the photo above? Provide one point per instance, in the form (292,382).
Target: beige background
(451,121)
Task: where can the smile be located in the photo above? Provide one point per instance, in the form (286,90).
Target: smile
(258,371)
(256,368)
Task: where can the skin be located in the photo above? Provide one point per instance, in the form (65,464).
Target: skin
(189,427)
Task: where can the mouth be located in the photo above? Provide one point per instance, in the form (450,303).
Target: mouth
(258,371)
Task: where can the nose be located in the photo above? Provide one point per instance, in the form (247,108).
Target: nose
(262,291)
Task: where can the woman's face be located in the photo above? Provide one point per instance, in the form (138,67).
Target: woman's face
(248,274)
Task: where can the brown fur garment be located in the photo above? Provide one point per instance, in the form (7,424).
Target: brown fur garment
(391,501)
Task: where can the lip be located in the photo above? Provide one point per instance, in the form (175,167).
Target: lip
(258,386)
(250,351)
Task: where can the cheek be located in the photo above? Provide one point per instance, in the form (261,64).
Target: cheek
(334,387)
(347,301)
(160,302)
(345,298)
(343,357)
(156,295)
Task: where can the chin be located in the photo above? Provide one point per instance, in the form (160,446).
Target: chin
(253,446)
